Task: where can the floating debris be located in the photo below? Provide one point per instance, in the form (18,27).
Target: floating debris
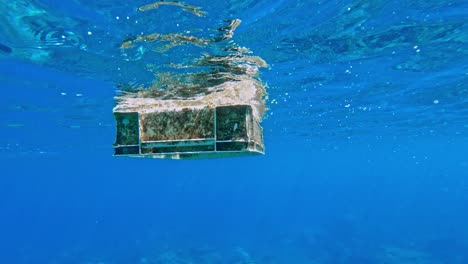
(129,41)
(192,120)
(228,31)
(168,41)
(174,40)
(207,107)
(185,7)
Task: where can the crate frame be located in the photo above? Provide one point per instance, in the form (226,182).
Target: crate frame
(235,132)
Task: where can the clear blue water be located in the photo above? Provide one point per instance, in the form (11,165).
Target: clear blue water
(366,137)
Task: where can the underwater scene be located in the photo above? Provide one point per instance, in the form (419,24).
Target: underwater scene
(234,132)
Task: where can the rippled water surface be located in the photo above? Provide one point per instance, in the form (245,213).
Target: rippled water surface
(366,133)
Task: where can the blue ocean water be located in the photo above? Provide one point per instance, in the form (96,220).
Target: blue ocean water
(366,137)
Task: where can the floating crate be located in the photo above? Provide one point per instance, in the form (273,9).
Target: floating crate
(188,133)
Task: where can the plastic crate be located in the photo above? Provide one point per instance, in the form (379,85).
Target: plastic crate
(188,133)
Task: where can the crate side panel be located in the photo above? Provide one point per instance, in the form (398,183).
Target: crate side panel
(254,129)
(231,122)
(127,128)
(177,125)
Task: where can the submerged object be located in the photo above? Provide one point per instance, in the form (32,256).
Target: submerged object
(211,109)
(185,7)
(222,123)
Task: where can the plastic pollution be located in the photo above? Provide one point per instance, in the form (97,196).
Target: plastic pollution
(212,110)
(213,125)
